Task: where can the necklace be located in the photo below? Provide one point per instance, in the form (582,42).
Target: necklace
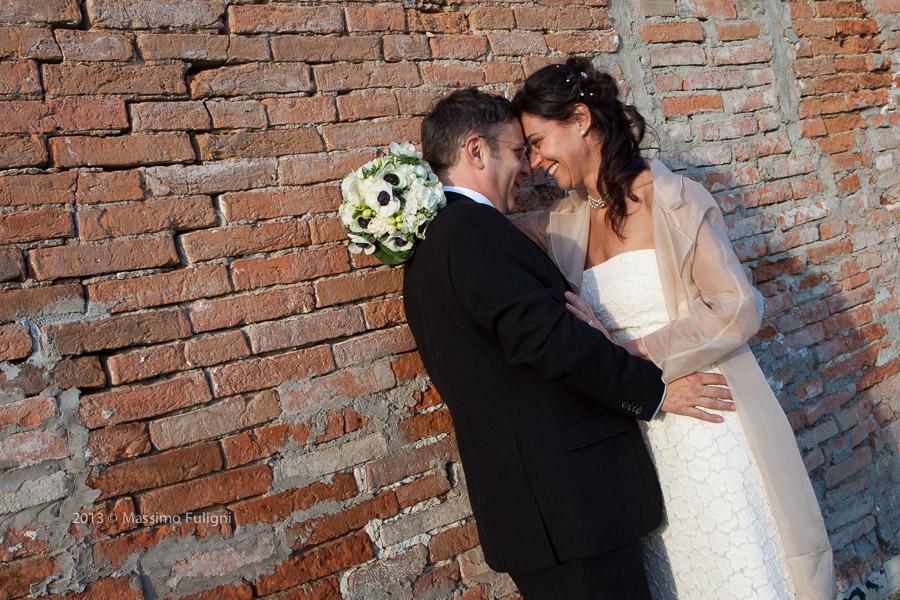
(603,202)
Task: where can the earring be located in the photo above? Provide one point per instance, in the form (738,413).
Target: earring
(583,132)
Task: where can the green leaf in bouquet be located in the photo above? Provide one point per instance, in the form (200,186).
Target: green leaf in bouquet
(389,257)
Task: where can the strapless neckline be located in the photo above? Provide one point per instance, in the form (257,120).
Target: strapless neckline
(616,257)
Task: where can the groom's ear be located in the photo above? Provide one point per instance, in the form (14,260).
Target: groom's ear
(474,150)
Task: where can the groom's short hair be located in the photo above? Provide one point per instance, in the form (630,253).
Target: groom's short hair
(454,118)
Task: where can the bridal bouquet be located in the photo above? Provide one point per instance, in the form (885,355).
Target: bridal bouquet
(389,202)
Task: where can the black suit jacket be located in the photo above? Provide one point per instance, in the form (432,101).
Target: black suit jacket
(543,405)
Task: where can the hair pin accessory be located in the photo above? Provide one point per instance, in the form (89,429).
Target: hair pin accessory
(583,75)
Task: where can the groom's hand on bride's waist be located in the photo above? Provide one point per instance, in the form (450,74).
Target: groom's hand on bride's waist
(690,394)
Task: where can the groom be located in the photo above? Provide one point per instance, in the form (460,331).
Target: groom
(543,405)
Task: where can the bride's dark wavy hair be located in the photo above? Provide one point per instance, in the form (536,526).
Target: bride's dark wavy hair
(552,92)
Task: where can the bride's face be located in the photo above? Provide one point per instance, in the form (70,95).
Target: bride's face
(559,148)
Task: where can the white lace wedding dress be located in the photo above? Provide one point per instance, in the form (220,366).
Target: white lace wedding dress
(718,539)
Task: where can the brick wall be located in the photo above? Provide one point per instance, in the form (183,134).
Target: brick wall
(206,396)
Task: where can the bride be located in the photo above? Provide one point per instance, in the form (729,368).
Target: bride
(649,254)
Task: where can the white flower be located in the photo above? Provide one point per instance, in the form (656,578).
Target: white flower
(381,226)
(379,196)
(404,149)
(350,186)
(398,244)
(360,244)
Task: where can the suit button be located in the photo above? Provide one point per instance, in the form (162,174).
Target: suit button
(638,410)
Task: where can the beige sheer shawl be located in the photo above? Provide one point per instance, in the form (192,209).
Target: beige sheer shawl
(714,311)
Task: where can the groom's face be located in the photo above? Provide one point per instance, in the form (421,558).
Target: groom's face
(506,169)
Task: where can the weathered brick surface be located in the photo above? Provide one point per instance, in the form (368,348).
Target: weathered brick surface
(169,186)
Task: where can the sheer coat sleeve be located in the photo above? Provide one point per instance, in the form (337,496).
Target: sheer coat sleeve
(724,309)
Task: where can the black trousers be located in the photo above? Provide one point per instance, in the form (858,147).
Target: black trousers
(616,575)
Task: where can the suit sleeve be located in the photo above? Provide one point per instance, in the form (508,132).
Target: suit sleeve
(504,283)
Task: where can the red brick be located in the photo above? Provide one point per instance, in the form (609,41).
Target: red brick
(121,151)
(280,19)
(322,49)
(306,170)
(452,542)
(492,17)
(729,32)
(118,295)
(270,204)
(156,14)
(156,471)
(250,308)
(347,383)
(439,582)
(822,253)
(150,216)
(300,111)
(436,22)
(319,530)
(270,371)
(556,19)
(236,240)
(844,123)
(319,562)
(357,286)
(64,12)
(457,46)
(336,78)
(32,448)
(19,576)
(212,178)
(279,507)
(55,188)
(690,31)
(114,80)
(256,444)
(407,366)
(19,79)
(40,300)
(129,404)
(450,74)
(715,80)
(384,17)
(61,116)
(22,151)
(116,443)
(712,8)
(373,346)
(423,488)
(170,116)
(94,46)
(253,144)
(113,186)
(94,259)
(843,470)
(304,330)
(517,43)
(238,114)
(28,412)
(12,265)
(257,78)
(761,148)
(691,105)
(19,543)
(426,425)
(15,342)
(181,356)
(183,46)
(119,331)
(243,591)
(751,101)
(85,372)
(207,491)
(289,268)
(214,420)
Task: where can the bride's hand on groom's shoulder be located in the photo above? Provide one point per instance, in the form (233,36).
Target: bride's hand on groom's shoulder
(689,394)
